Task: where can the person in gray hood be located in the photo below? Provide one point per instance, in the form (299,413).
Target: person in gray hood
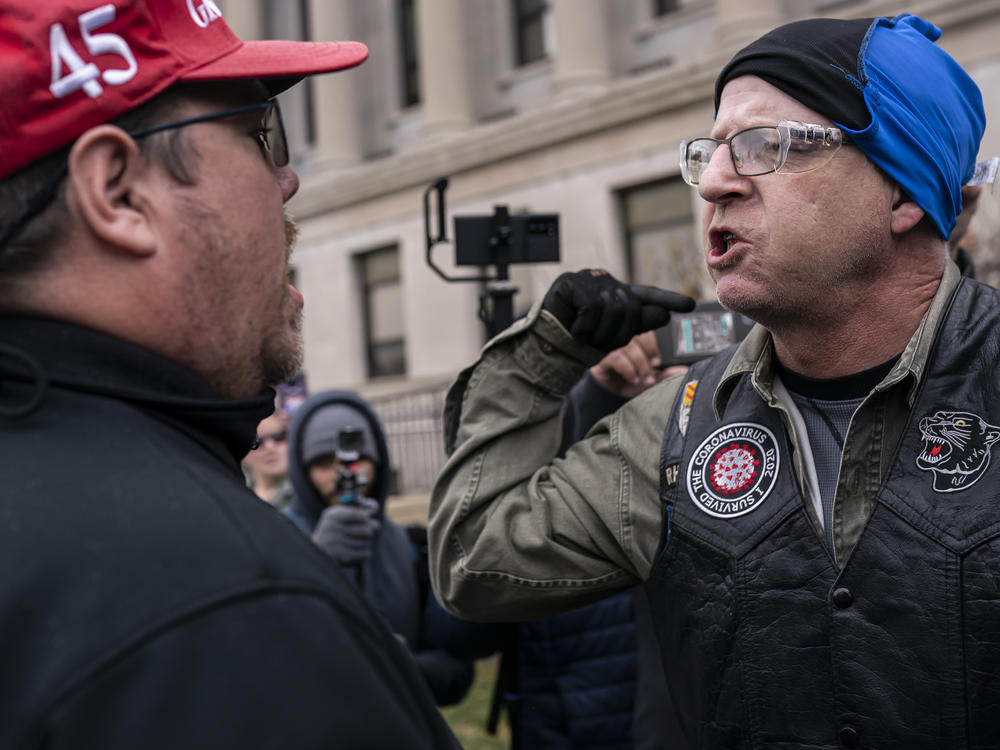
(339,470)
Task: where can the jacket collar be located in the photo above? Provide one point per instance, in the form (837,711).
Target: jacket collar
(56,354)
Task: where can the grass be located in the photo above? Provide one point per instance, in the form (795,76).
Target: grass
(468,718)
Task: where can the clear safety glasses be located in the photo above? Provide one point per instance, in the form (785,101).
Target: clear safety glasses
(789,147)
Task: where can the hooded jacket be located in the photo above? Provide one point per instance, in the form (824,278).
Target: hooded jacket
(392,578)
(149,598)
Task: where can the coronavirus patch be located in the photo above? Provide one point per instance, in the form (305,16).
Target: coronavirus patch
(733,470)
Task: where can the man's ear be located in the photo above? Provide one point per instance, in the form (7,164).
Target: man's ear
(111,188)
(905,213)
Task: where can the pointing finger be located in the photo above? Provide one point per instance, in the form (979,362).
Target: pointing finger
(651,295)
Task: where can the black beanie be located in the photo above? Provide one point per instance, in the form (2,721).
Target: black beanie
(814,61)
(904,101)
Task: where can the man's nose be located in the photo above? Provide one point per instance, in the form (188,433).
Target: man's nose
(288,182)
(719,180)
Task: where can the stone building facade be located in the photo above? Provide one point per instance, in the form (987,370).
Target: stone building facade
(574,107)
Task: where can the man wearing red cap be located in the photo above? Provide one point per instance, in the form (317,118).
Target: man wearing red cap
(150,599)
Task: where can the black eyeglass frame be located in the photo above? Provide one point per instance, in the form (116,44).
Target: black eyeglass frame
(278,151)
(278,154)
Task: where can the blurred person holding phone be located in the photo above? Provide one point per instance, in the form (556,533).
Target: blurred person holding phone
(340,470)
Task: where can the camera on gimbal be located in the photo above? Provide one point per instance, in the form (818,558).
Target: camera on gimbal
(514,238)
(350,441)
(498,241)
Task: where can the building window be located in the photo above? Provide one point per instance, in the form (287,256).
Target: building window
(383,312)
(661,238)
(532,30)
(662,7)
(409,72)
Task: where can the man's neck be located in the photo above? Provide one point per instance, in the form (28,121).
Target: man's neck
(866,330)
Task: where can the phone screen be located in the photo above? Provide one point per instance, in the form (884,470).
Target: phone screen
(710,328)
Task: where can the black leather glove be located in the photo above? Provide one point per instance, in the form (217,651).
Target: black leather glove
(599,310)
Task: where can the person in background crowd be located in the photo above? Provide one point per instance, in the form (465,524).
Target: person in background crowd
(266,465)
(152,601)
(813,512)
(339,467)
(569,681)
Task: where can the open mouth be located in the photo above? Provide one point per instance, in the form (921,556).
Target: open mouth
(934,452)
(722,243)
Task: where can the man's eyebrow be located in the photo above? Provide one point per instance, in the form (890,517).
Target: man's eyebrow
(763,122)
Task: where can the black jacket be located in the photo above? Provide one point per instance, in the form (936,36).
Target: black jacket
(149,600)
(766,642)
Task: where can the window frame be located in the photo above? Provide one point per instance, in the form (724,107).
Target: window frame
(529,18)
(372,367)
(409,61)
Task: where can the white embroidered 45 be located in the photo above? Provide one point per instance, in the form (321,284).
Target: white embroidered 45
(85,74)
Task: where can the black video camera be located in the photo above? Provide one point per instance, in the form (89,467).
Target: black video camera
(350,442)
(705,331)
(497,240)
(531,238)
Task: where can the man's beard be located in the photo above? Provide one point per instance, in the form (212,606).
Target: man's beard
(281,357)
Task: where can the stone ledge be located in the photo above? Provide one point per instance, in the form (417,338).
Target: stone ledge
(651,94)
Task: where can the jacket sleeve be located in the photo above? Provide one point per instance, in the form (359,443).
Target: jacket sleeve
(516,533)
(586,404)
(273,671)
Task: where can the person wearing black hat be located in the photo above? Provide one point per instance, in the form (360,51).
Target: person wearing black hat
(813,513)
(339,468)
(150,599)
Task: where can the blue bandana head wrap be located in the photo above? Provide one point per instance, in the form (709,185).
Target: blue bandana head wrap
(901,98)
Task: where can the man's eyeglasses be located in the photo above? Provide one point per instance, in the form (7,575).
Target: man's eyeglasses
(271,135)
(275,437)
(787,148)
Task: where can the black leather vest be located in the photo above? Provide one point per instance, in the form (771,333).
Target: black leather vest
(765,643)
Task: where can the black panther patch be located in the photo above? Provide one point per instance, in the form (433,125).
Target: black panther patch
(957,448)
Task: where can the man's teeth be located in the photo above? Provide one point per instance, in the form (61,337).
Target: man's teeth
(727,238)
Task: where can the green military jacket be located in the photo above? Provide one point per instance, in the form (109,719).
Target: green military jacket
(516,533)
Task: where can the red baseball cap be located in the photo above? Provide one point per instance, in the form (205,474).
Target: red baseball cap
(68,65)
